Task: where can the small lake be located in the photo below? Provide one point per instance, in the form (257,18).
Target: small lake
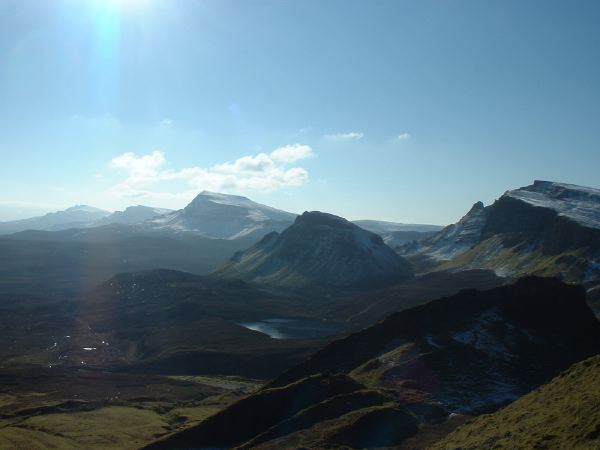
(292,328)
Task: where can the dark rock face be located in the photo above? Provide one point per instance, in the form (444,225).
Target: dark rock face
(322,249)
(523,223)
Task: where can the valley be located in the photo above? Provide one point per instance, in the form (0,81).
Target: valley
(299,225)
(161,332)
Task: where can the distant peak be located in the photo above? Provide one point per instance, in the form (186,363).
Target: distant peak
(208,197)
(84,208)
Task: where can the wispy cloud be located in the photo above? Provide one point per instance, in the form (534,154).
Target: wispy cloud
(339,137)
(292,153)
(256,173)
(403,137)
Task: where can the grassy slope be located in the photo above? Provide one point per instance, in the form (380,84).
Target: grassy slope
(564,414)
(60,408)
(491,254)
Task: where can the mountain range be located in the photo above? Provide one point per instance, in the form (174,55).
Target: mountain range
(76,216)
(209,214)
(304,331)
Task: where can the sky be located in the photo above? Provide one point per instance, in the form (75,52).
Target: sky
(407,111)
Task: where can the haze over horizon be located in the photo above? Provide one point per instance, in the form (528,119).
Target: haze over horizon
(401,111)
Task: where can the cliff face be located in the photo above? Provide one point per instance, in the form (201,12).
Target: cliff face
(547,229)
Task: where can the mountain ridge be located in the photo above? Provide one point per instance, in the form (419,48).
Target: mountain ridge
(74,216)
(546,229)
(319,248)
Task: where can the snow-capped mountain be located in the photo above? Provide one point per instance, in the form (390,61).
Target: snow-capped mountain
(223,216)
(322,249)
(547,228)
(132,215)
(73,217)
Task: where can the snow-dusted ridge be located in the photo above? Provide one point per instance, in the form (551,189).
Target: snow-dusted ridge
(453,240)
(578,203)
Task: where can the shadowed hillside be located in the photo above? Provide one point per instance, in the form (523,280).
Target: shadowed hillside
(467,354)
(320,249)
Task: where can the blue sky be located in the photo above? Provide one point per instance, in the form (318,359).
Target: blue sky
(400,110)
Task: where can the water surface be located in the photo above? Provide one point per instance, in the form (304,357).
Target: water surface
(293,328)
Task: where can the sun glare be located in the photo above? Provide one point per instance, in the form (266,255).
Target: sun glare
(123,5)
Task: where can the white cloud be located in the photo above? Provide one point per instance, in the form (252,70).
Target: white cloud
(142,171)
(247,165)
(292,153)
(403,137)
(338,137)
(167,122)
(255,173)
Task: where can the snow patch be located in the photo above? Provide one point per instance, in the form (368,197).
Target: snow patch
(480,337)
